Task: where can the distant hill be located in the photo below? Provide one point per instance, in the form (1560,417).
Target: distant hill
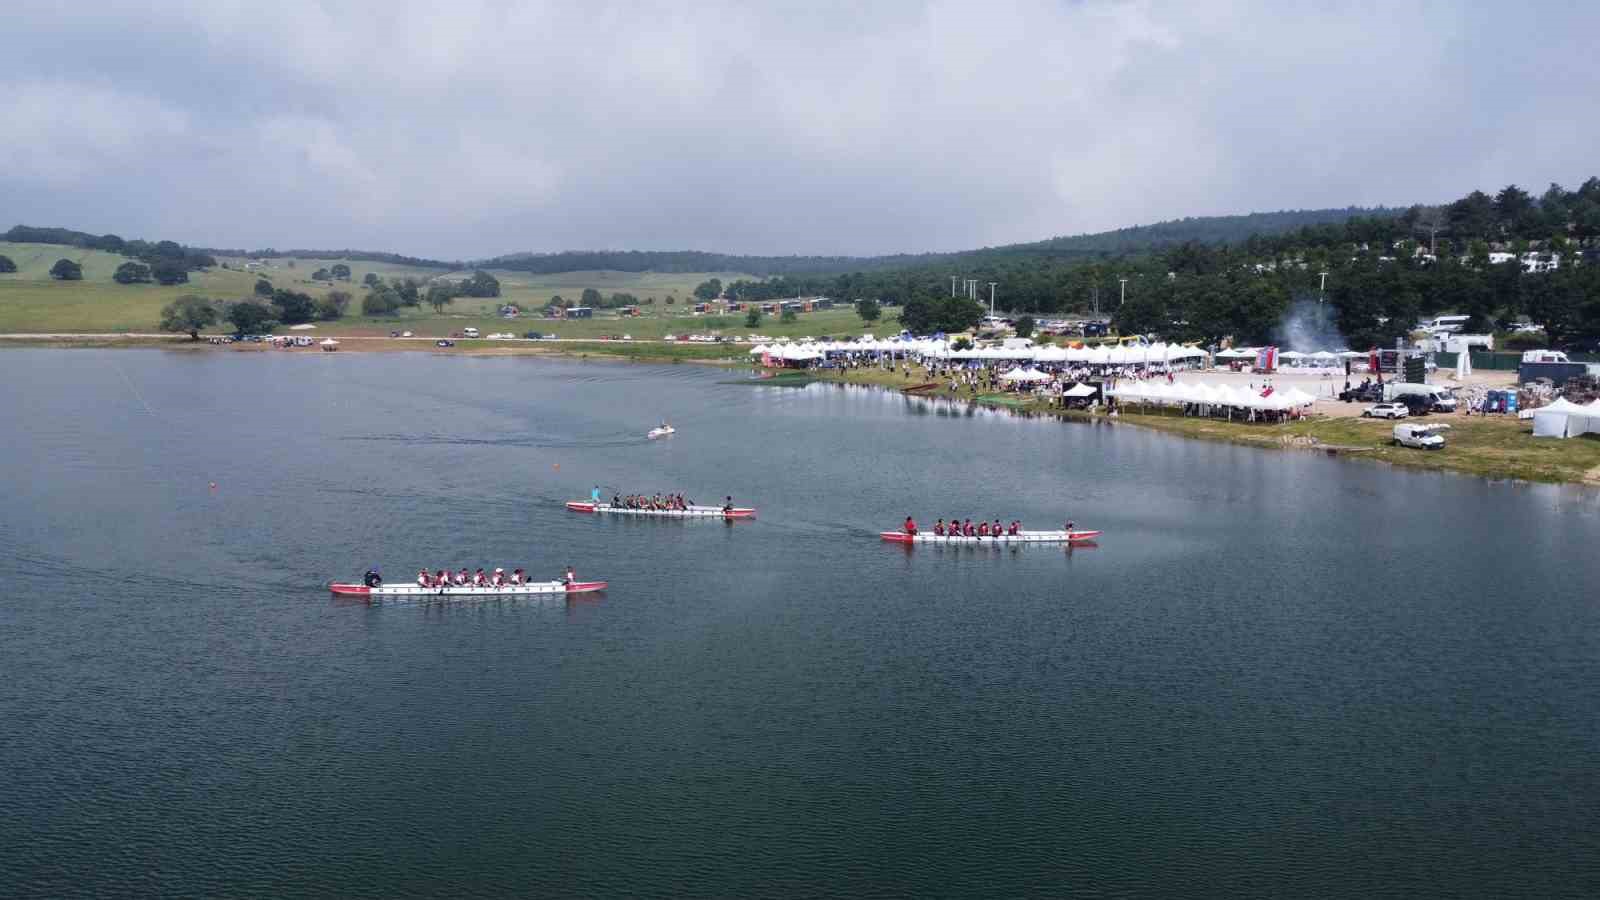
(1137,239)
(1122,241)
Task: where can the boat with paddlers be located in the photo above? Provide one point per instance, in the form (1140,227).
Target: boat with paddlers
(686,512)
(1020,537)
(462,584)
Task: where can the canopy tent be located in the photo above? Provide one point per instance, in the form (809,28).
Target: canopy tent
(1025,375)
(1078,391)
(1210,395)
(1564,419)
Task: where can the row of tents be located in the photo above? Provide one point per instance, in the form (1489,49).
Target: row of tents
(1184,393)
(1153,354)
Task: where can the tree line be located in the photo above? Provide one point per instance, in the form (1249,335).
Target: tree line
(164,253)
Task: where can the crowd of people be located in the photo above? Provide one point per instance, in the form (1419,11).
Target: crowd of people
(966,528)
(444,578)
(651,501)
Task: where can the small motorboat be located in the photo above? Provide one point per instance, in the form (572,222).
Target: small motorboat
(662,431)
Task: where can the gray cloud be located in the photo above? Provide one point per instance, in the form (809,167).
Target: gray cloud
(468,129)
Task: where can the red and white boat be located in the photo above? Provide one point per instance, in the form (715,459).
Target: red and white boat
(418,592)
(1021,537)
(693,512)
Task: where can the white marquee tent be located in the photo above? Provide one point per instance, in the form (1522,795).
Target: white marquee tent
(1564,419)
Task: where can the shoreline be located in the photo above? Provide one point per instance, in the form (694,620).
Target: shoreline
(1491,448)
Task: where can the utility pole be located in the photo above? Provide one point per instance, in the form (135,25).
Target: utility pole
(1322,289)
(1123,298)
(1095,293)
(952,286)
(991,298)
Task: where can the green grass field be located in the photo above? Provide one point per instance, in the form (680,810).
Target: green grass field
(32,302)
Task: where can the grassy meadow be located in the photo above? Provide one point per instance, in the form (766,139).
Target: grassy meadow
(31,302)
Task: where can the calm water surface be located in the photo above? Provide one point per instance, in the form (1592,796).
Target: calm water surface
(1278,674)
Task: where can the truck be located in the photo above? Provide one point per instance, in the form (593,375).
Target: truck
(1434,399)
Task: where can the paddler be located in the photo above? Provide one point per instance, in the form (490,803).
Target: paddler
(423,580)
(498,579)
(441,579)
(910,527)
(594,495)
(570,577)
(983,529)
(1070,523)
(938,528)
(463,577)
(1016,528)
(727,504)
(967,530)
(373,578)
(479,579)
(995,529)
(517,577)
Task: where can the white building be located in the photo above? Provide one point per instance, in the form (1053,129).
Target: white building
(1534,262)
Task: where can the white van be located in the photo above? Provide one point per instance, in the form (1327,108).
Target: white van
(469,332)
(1439,400)
(1447,324)
(1422,437)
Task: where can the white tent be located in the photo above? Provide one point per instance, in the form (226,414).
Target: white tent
(1078,390)
(1029,375)
(1563,419)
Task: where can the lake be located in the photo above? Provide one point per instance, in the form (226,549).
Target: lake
(1278,674)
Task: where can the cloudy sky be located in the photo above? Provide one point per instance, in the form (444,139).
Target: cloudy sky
(467,129)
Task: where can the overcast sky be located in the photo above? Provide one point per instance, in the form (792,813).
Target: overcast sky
(469,129)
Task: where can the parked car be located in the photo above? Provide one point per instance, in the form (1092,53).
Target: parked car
(533,335)
(444,343)
(1387,411)
(469,332)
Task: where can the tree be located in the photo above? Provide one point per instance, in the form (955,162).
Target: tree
(251,317)
(787,316)
(66,270)
(709,290)
(868,310)
(132,273)
(752,318)
(482,284)
(6,264)
(409,291)
(371,279)
(380,301)
(293,307)
(333,306)
(1025,327)
(341,271)
(188,314)
(590,298)
(441,294)
(263,288)
(169,272)
(322,275)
